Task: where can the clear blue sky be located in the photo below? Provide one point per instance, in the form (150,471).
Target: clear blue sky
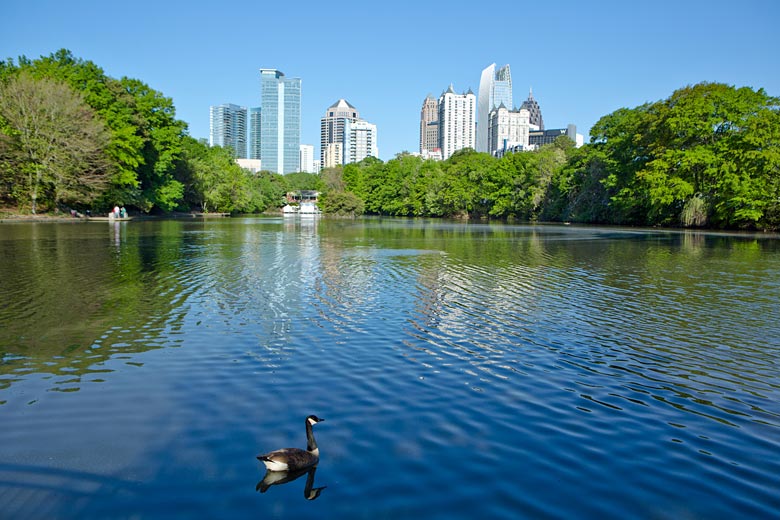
(583,59)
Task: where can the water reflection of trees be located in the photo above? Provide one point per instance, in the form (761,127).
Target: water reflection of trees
(77,294)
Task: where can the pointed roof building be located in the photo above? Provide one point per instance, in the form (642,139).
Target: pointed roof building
(332,127)
(532,106)
(342,105)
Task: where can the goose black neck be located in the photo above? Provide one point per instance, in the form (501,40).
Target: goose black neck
(312,444)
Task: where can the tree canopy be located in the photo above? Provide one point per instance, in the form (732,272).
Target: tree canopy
(52,145)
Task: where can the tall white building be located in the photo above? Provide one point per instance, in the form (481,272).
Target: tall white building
(457,121)
(508,130)
(307,158)
(359,141)
(495,87)
(227,128)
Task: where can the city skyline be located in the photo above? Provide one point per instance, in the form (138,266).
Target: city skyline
(583,62)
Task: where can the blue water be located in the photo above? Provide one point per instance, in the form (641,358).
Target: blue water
(463,370)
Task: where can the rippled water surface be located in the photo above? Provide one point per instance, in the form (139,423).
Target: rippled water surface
(463,370)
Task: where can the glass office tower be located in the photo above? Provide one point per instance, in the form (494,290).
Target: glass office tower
(280,121)
(495,87)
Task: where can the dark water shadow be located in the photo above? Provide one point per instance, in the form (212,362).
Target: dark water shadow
(276,478)
(29,491)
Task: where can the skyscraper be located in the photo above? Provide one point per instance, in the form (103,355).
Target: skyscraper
(429,125)
(227,128)
(332,127)
(457,121)
(495,87)
(280,121)
(532,106)
(254,133)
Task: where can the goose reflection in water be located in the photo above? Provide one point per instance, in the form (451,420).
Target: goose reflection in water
(275,478)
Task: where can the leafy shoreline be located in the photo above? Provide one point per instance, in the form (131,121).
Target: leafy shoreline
(707,157)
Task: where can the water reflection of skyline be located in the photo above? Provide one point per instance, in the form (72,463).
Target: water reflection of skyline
(423,340)
(502,301)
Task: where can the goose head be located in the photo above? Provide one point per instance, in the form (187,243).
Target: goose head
(313,419)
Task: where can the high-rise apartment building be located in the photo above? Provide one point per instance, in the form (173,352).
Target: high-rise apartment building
(495,87)
(457,121)
(533,108)
(227,128)
(332,127)
(359,141)
(307,158)
(280,121)
(429,125)
(254,133)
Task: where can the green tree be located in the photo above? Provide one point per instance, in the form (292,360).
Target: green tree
(268,190)
(303,181)
(709,150)
(145,136)
(342,203)
(214,181)
(112,104)
(52,141)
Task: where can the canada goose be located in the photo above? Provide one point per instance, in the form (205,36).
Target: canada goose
(293,459)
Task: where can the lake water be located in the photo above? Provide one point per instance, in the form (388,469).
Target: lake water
(463,370)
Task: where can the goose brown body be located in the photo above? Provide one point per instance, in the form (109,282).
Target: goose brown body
(293,459)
